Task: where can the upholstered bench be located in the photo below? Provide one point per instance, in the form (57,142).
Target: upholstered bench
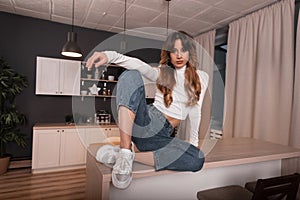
(274,188)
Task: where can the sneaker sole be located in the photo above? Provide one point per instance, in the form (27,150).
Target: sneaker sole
(121,185)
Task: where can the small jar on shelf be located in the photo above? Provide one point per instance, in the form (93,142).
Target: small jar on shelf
(97,73)
(104,91)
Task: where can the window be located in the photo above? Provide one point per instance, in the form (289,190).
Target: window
(218,89)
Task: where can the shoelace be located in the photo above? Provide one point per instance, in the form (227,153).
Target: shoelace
(123,164)
(110,157)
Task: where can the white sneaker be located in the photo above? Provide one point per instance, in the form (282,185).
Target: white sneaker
(107,154)
(122,170)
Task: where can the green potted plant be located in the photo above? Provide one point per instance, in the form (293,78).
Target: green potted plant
(11,84)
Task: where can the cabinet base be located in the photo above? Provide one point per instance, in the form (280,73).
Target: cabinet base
(57,169)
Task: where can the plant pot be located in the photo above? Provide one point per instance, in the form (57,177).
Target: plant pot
(4,162)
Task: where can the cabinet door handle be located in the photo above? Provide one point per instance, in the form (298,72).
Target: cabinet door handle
(57,131)
(63,131)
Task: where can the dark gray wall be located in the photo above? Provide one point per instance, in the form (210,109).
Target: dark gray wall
(22,39)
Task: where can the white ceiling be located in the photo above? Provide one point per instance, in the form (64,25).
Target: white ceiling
(192,16)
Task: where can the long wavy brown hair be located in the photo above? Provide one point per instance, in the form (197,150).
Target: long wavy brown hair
(166,80)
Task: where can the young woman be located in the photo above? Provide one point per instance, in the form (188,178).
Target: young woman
(179,95)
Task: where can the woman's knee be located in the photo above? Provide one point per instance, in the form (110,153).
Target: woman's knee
(129,82)
(198,164)
(197,161)
(130,90)
(129,75)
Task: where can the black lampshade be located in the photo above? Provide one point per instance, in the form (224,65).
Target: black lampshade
(71,48)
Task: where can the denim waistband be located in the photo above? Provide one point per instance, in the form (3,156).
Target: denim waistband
(157,113)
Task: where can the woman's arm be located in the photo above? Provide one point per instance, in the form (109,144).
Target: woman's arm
(101,58)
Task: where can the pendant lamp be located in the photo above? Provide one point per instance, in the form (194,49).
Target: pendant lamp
(71,48)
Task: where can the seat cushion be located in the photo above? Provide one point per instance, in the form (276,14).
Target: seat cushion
(251,186)
(232,192)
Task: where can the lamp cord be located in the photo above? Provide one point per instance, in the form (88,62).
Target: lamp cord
(125,16)
(73,17)
(168,11)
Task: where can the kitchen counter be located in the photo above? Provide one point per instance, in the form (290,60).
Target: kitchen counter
(71,126)
(60,146)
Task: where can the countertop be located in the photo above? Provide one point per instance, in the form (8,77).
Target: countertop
(71,126)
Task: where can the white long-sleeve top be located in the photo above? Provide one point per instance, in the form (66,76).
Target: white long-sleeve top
(178,108)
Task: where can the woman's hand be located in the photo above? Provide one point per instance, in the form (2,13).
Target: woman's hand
(97,59)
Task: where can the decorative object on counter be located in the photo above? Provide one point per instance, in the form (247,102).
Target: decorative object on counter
(94,89)
(79,118)
(103,117)
(71,48)
(96,119)
(11,84)
(89,120)
(69,119)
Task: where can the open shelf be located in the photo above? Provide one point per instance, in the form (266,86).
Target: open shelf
(101,96)
(98,80)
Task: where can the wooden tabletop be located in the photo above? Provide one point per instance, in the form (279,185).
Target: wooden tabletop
(234,151)
(225,152)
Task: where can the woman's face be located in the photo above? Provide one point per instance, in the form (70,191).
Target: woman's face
(179,55)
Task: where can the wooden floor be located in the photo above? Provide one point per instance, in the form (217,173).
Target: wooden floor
(21,184)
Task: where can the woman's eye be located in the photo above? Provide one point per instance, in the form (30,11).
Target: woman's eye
(183,50)
(173,51)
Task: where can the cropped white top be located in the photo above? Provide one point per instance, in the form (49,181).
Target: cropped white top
(178,108)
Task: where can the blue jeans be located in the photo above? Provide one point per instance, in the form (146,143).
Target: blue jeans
(151,130)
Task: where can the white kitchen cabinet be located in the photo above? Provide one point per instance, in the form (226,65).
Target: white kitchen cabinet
(60,147)
(46,149)
(112,132)
(57,76)
(72,150)
(98,134)
(57,148)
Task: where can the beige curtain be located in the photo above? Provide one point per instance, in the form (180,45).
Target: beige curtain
(295,127)
(259,74)
(207,51)
(206,47)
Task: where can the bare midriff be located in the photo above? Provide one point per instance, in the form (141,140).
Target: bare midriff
(173,121)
